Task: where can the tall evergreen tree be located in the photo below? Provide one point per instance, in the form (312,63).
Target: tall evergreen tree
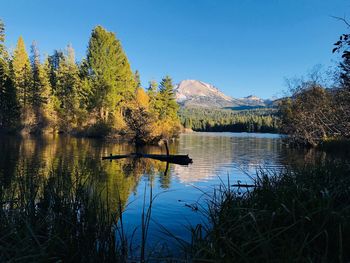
(2,37)
(110,75)
(54,62)
(169,106)
(40,94)
(70,55)
(48,97)
(154,97)
(21,73)
(9,110)
(137,79)
(68,92)
(34,93)
(153,87)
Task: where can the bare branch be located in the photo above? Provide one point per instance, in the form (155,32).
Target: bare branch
(342,19)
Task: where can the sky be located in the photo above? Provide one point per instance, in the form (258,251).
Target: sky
(242,47)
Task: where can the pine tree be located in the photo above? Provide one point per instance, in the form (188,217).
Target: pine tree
(48,98)
(152,88)
(9,110)
(34,93)
(54,62)
(21,73)
(169,106)
(153,94)
(110,75)
(2,38)
(137,79)
(164,108)
(70,57)
(68,93)
(142,98)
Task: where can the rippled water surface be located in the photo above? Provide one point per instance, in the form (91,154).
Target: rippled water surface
(177,190)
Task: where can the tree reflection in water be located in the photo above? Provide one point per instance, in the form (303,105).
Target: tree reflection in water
(59,201)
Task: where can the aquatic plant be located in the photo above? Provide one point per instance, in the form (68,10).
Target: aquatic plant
(299,215)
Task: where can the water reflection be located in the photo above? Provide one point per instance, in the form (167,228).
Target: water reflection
(61,187)
(227,154)
(57,190)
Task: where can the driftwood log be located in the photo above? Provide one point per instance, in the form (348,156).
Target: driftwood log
(176,159)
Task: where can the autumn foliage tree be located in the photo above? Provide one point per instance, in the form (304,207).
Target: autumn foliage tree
(154,115)
(139,118)
(22,79)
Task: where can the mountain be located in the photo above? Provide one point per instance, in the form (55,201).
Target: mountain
(252,101)
(195,93)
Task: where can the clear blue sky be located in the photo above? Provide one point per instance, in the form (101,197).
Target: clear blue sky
(241,46)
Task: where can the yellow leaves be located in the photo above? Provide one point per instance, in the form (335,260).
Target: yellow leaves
(166,128)
(20,57)
(118,121)
(159,127)
(142,98)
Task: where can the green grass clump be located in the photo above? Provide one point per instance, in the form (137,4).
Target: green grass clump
(290,216)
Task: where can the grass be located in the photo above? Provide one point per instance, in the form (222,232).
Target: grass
(289,216)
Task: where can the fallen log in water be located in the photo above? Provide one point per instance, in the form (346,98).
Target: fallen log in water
(176,159)
(243,185)
(114,157)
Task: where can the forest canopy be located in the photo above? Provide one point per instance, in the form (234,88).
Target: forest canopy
(98,96)
(227,120)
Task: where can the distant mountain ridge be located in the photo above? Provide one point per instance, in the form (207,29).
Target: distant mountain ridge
(198,93)
(195,93)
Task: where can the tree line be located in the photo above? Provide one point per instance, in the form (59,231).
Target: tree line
(225,120)
(316,113)
(98,96)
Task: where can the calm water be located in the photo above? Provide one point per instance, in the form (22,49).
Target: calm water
(176,189)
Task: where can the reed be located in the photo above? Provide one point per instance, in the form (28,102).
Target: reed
(55,220)
(299,215)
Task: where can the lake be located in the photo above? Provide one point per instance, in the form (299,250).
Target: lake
(30,167)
